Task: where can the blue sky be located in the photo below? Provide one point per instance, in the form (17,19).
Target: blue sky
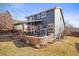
(20,10)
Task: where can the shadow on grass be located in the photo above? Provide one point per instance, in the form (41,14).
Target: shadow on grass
(6,39)
(77,46)
(20,44)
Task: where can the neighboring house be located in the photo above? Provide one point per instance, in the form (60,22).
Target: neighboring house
(21,26)
(46,22)
(6,21)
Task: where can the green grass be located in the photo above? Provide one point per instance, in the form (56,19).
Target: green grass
(64,47)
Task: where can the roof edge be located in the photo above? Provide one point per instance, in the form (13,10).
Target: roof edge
(44,11)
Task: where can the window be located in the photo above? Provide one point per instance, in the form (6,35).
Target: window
(43,14)
(38,16)
(50,27)
(30,18)
(39,27)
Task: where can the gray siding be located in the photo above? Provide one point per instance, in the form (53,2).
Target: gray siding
(48,19)
(45,20)
(35,17)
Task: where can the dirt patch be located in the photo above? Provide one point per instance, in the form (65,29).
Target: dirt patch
(20,44)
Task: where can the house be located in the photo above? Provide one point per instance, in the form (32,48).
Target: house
(20,26)
(46,22)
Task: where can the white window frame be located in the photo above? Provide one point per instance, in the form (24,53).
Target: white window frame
(50,26)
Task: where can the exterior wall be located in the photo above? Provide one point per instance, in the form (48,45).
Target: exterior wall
(48,19)
(45,20)
(18,27)
(59,23)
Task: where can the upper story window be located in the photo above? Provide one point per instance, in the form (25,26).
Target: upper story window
(38,16)
(31,18)
(43,14)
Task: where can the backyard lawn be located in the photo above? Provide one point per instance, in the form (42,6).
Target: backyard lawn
(67,46)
